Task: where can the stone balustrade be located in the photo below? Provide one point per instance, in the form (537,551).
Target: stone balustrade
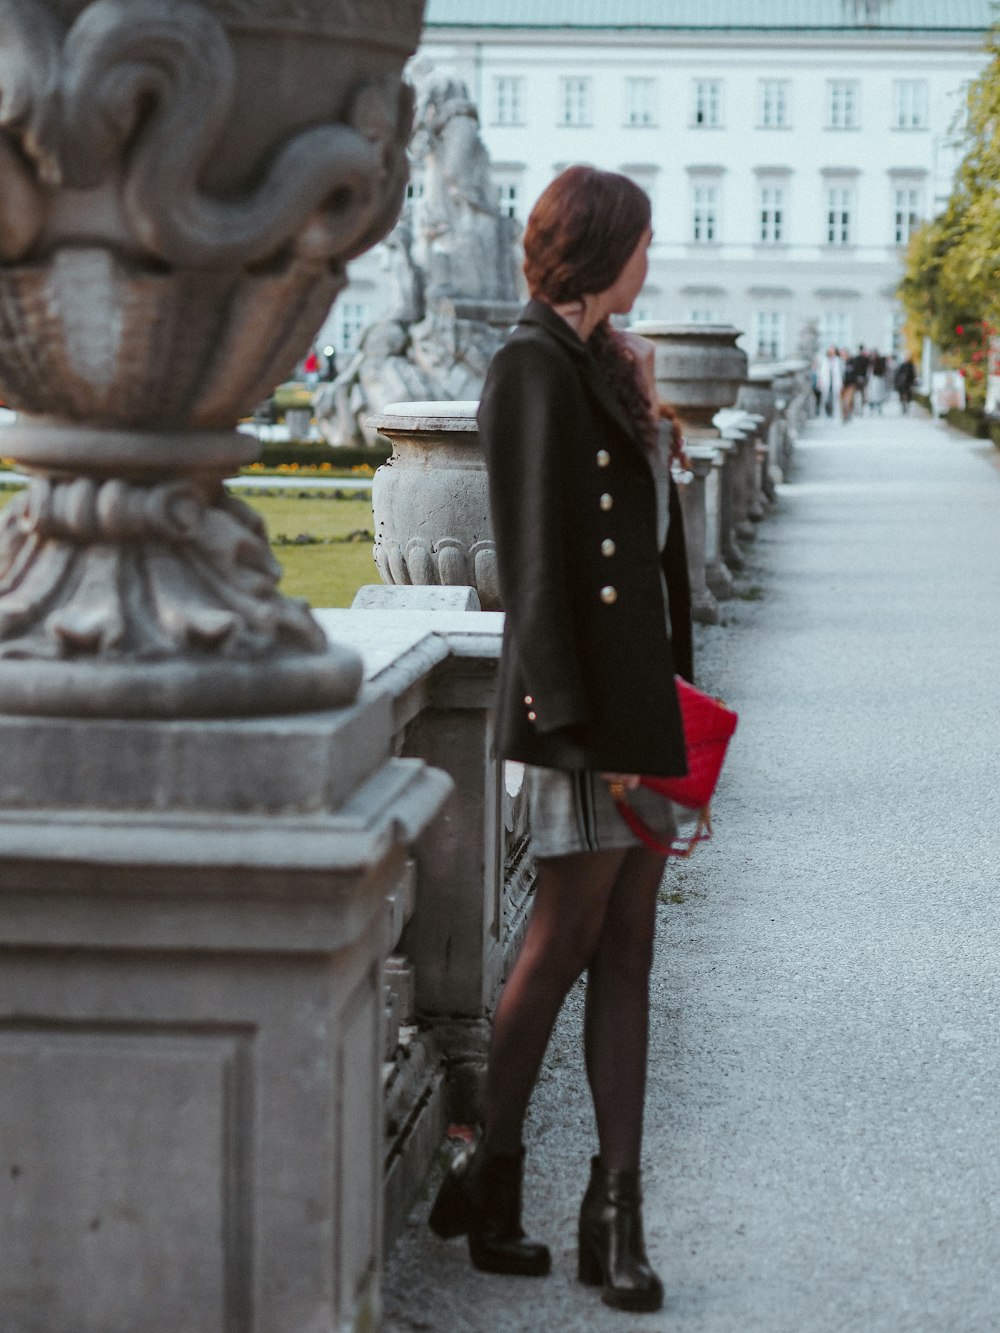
(459,920)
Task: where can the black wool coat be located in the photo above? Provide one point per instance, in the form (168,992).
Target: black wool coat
(587,671)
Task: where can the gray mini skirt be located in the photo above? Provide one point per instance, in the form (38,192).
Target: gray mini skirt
(572,811)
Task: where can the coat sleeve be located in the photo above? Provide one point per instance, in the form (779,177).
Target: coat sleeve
(526,421)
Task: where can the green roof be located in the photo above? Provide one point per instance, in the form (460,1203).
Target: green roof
(928,16)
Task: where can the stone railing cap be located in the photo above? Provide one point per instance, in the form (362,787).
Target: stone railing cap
(429,415)
(657,327)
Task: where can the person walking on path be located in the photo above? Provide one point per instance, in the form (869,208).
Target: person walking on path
(903,382)
(855,378)
(591,556)
(878,383)
(830,380)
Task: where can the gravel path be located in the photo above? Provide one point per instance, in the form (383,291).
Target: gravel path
(823,1112)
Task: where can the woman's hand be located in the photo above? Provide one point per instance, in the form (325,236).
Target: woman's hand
(625,781)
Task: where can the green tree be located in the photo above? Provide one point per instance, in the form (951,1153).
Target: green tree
(951,285)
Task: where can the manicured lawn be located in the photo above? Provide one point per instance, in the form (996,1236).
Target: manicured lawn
(323,544)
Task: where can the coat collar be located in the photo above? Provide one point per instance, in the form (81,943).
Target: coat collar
(543,316)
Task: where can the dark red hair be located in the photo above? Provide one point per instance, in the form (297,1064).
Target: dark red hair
(582,232)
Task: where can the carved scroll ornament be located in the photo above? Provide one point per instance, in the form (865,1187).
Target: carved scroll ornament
(143,311)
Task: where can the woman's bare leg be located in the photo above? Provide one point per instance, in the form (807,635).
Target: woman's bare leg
(567,918)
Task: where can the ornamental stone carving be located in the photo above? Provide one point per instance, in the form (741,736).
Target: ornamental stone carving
(181,185)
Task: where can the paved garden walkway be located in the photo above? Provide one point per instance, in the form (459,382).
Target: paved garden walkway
(823,1140)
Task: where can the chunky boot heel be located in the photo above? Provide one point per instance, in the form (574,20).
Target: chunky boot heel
(612,1251)
(480,1197)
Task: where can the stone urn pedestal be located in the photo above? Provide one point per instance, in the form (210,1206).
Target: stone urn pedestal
(431,500)
(201,817)
(699,371)
(757,396)
(193,927)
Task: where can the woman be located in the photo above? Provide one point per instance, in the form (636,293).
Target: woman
(877,388)
(587,526)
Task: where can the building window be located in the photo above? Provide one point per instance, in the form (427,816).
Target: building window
(911,104)
(508,198)
(774,113)
(576,101)
(772,214)
(708,102)
(770,327)
(640,101)
(704,314)
(835,329)
(842,106)
(350,321)
(705,214)
(508,100)
(839,215)
(907,211)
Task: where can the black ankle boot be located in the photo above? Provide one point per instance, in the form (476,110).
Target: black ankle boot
(480,1197)
(612,1251)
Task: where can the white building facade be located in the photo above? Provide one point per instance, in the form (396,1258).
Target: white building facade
(787,159)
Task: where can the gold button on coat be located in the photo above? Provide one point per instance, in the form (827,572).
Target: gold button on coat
(609,595)
(608,547)
(606,501)
(603,458)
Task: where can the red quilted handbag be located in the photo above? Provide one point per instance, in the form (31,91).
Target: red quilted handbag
(708,727)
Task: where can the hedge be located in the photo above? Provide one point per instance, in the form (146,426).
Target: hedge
(310,453)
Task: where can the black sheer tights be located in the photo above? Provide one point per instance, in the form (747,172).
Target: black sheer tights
(593,911)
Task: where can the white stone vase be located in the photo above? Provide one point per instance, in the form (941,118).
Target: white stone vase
(431,500)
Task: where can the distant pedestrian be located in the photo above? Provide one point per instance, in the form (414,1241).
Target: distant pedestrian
(310,367)
(903,382)
(830,381)
(855,378)
(877,387)
(589,538)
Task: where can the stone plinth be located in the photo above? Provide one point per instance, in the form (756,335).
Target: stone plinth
(193,925)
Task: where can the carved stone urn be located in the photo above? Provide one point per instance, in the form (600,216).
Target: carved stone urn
(431,500)
(181,185)
(699,368)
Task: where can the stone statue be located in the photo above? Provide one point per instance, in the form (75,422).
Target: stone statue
(380,370)
(465,245)
(454,267)
(405,274)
